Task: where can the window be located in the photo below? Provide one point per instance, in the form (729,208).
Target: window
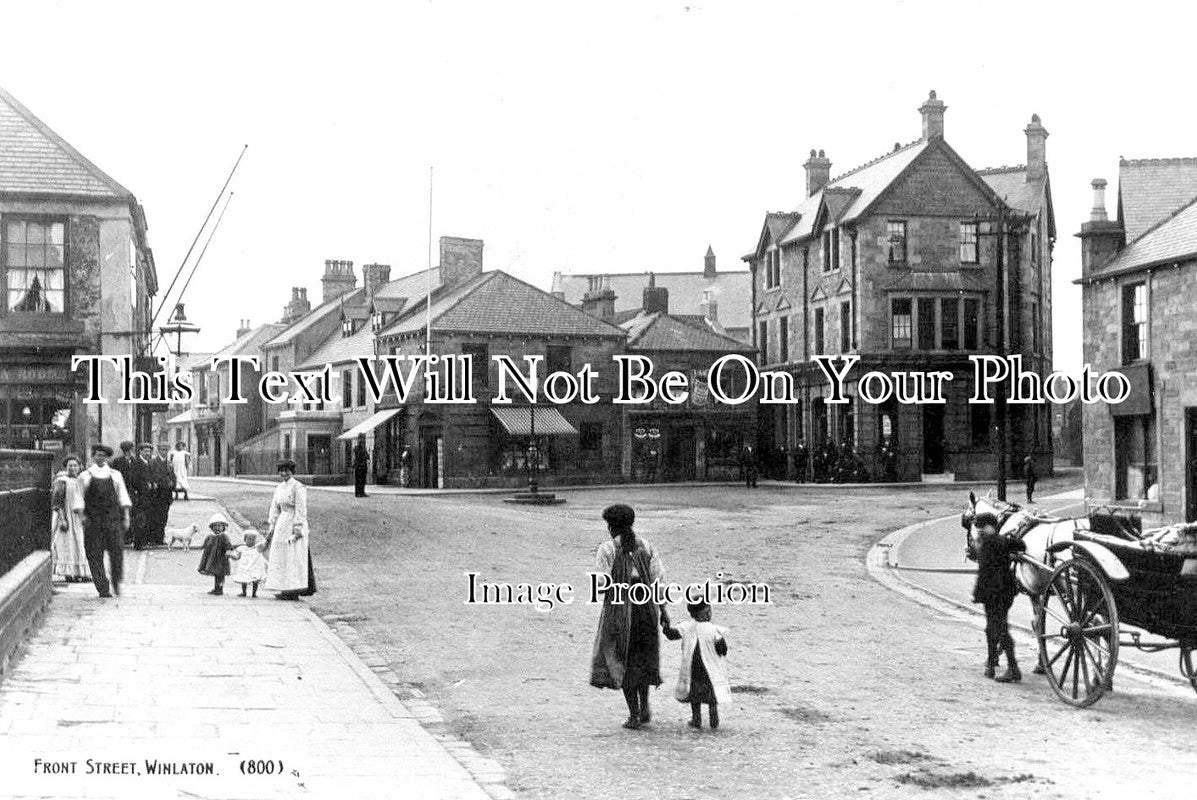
(361,390)
(203,389)
(949,322)
(1035,328)
(845,326)
(896,236)
(831,249)
(783,340)
(926,307)
(818,422)
(286,445)
(590,437)
(1134,458)
(852,239)
(978,418)
(346,388)
(846,424)
(900,322)
(762,341)
(969,252)
(972,320)
(820,341)
(557,358)
(773,268)
(274,363)
(480,371)
(887,423)
(35,271)
(1134,322)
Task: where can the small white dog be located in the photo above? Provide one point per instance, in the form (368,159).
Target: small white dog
(183,535)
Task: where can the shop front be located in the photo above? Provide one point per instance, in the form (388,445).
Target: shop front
(39,405)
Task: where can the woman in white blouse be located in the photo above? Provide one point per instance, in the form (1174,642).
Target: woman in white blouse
(290,573)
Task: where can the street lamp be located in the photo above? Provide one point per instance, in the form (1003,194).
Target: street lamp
(178,324)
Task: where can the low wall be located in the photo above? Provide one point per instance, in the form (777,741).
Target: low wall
(24,595)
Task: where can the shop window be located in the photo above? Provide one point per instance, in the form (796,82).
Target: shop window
(35,266)
(590,437)
(723,444)
(1136,468)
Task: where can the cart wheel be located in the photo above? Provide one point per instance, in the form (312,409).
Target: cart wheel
(1077,627)
(1188,664)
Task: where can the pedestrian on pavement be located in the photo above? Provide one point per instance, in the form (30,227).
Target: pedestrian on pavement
(129,465)
(290,574)
(147,522)
(180,462)
(68,556)
(702,677)
(801,460)
(251,563)
(996,589)
(626,652)
(1028,471)
(361,466)
(104,502)
(748,465)
(163,478)
(214,560)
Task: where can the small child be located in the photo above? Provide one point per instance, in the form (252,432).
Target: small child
(214,560)
(702,678)
(996,589)
(251,564)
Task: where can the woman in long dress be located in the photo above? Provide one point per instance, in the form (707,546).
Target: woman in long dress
(179,458)
(67,556)
(290,573)
(627,652)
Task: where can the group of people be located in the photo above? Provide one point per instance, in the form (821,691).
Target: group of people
(626,653)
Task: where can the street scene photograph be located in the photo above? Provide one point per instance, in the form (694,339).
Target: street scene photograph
(465,400)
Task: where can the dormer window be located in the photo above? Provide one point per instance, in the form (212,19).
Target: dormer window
(346,327)
(831,249)
(376,320)
(773,268)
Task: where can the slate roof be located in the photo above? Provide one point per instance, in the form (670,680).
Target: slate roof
(1150,189)
(1011,184)
(289,332)
(35,159)
(500,303)
(340,349)
(247,344)
(869,181)
(1172,239)
(657,331)
(731,290)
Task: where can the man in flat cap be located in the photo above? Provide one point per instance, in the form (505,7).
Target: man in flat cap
(132,470)
(104,502)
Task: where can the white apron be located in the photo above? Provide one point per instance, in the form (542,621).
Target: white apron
(288,570)
(702,635)
(178,464)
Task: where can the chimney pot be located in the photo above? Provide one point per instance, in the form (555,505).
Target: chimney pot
(1036,149)
(932,111)
(818,171)
(1098,214)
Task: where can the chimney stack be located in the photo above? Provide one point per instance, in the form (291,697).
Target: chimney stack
(655,298)
(818,172)
(243,327)
(1037,151)
(1101,238)
(298,306)
(599,300)
(461,259)
(708,264)
(338,279)
(709,308)
(932,110)
(374,276)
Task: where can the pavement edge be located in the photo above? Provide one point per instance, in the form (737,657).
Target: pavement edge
(382,681)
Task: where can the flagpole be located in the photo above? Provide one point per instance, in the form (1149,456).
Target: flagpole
(428,300)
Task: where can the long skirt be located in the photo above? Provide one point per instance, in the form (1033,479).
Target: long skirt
(626,647)
(68,557)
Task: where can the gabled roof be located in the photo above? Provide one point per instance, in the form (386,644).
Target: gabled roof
(1150,189)
(288,332)
(1029,197)
(36,160)
(657,331)
(869,181)
(1172,239)
(499,303)
(248,344)
(731,290)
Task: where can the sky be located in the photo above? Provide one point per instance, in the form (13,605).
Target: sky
(614,136)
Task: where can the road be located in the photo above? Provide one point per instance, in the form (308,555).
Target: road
(842,688)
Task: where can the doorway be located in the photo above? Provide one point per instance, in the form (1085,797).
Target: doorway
(319,454)
(680,454)
(430,447)
(217,454)
(933,441)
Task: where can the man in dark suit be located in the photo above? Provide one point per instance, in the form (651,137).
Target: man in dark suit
(160,483)
(748,464)
(361,466)
(132,473)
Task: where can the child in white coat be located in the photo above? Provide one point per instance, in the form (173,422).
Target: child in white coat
(702,677)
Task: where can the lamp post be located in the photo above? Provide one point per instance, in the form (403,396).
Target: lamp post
(178,324)
(533,452)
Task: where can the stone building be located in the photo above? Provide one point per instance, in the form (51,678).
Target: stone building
(896,261)
(722,298)
(77,278)
(1139,281)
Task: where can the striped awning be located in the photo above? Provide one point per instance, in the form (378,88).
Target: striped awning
(519,420)
(368,424)
(181,419)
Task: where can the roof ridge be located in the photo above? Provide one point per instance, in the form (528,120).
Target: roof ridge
(1174,161)
(63,144)
(1001,169)
(550,295)
(876,160)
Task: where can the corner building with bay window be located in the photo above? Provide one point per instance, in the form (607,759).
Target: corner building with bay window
(898,262)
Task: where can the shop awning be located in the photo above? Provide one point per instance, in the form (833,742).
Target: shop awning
(369,424)
(182,419)
(517,420)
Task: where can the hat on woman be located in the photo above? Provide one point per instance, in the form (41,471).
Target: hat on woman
(285,463)
(217,519)
(102,449)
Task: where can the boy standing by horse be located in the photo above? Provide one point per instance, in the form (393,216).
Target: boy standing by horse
(996,590)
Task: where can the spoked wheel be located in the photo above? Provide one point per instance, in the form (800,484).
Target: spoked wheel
(1188,663)
(1077,625)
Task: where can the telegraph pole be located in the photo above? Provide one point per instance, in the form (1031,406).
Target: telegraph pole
(999,412)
